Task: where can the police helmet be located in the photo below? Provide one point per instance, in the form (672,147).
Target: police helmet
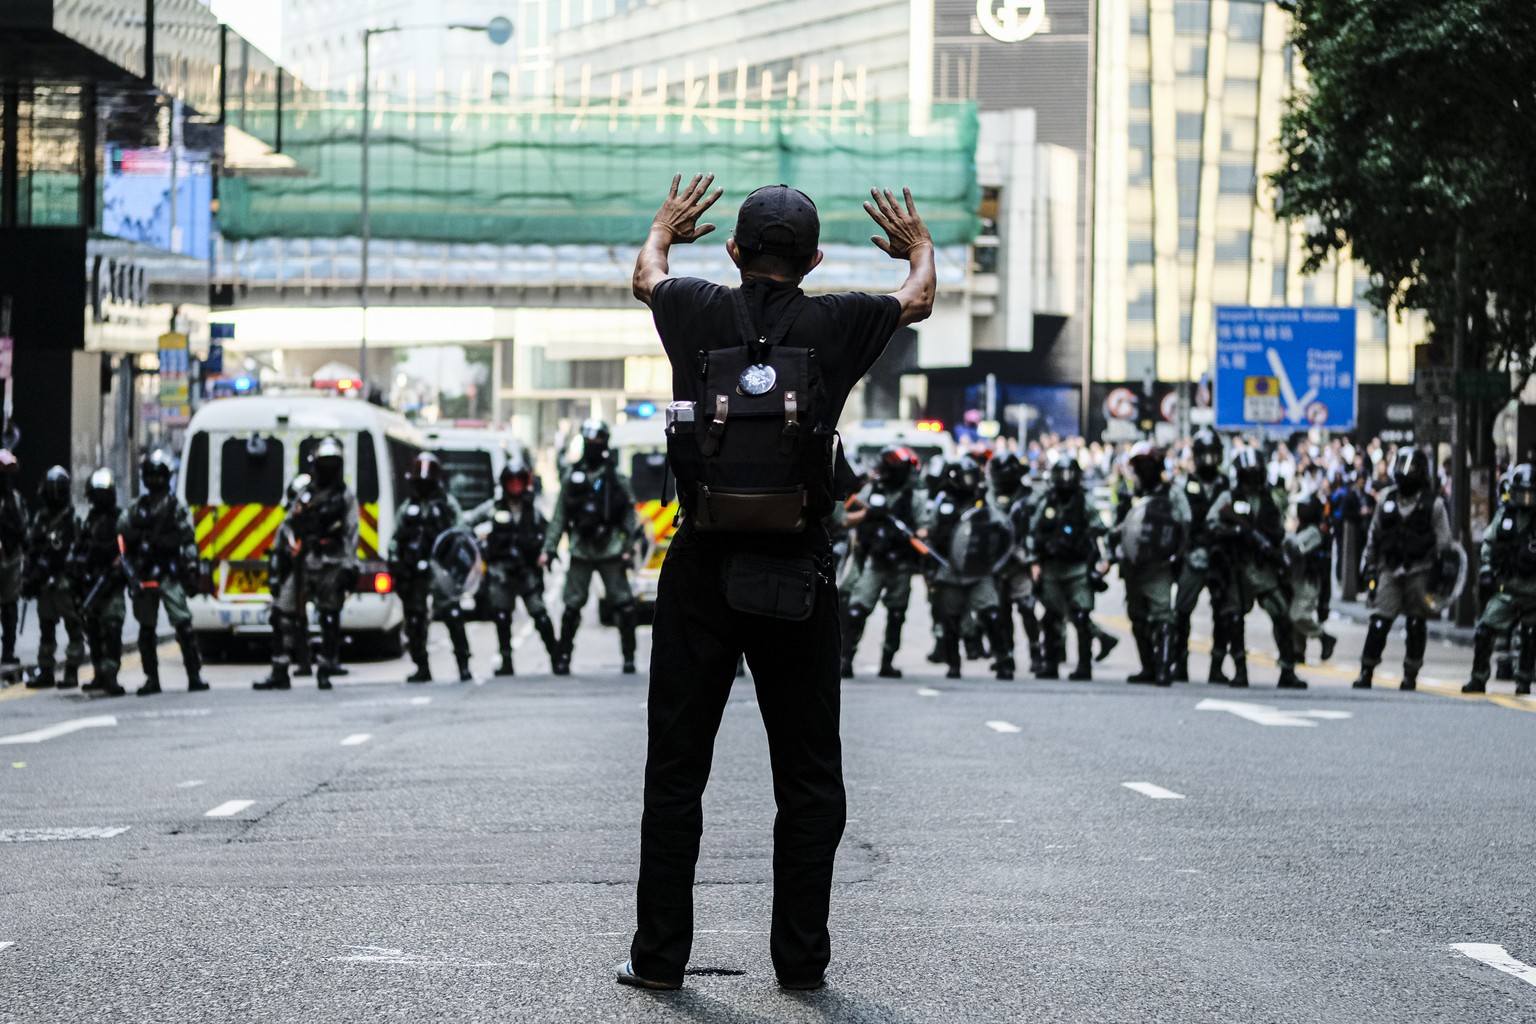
(1248,469)
(327,460)
(296,488)
(155,471)
(896,464)
(1207,454)
(55,487)
(1522,486)
(1146,462)
(101,489)
(1410,470)
(961,477)
(1066,474)
(426,474)
(1007,471)
(516,478)
(1311,510)
(594,441)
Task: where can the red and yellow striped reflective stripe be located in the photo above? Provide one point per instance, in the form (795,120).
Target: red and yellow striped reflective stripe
(657,518)
(368,531)
(235,533)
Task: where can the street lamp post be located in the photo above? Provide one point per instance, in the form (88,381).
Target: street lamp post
(498,30)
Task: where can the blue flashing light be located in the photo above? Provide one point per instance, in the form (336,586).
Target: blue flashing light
(645,410)
(242,384)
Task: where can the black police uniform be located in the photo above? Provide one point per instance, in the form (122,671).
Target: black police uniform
(420,521)
(511,550)
(698,636)
(13,549)
(49,541)
(886,562)
(98,577)
(1010,492)
(1201,489)
(160,545)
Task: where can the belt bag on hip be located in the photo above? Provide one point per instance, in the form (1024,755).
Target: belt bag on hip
(781,587)
(760,510)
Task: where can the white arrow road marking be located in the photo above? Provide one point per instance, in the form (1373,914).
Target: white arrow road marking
(228,809)
(1268,714)
(1496,957)
(6,945)
(1003,727)
(1153,791)
(62,729)
(357,739)
(53,835)
(927,691)
(399,957)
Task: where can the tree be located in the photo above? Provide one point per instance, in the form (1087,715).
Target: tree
(1415,139)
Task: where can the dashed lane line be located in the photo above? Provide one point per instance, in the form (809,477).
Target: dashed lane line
(1152,790)
(190,784)
(927,691)
(61,729)
(1498,958)
(357,739)
(1004,727)
(55,835)
(228,809)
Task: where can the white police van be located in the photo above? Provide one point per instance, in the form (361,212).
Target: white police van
(237,460)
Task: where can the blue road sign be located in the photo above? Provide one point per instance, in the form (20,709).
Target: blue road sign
(1285,369)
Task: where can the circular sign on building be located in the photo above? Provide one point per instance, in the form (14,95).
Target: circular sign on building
(1010,21)
(1121,404)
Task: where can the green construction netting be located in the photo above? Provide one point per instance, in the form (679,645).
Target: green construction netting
(597,178)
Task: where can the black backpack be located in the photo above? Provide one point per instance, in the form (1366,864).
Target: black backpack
(752,450)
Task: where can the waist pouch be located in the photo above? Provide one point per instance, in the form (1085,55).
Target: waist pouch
(778,587)
(767,510)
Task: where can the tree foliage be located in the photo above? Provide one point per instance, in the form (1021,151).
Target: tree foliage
(1416,131)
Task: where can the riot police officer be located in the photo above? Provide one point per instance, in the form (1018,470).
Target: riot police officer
(596,508)
(1249,528)
(13,550)
(321,537)
(1409,527)
(1507,577)
(1065,560)
(1201,487)
(160,551)
(886,515)
(1308,559)
(290,632)
(427,514)
(963,583)
(1149,540)
(97,573)
(511,550)
(49,541)
(1010,494)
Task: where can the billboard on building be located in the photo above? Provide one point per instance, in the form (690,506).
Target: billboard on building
(137,191)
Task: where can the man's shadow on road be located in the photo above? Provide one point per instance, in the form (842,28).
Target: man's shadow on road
(830,1004)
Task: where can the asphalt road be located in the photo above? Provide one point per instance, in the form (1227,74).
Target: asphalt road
(455,852)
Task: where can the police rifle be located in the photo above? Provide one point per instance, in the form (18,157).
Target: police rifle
(903,529)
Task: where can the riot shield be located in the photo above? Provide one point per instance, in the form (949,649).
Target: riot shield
(1130,531)
(1447,577)
(456,565)
(982,542)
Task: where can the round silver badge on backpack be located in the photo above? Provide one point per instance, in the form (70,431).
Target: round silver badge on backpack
(757,379)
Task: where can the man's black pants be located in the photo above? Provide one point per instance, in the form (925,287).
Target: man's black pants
(696,640)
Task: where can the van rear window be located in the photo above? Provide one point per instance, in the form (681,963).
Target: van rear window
(470,479)
(367,470)
(195,469)
(251,471)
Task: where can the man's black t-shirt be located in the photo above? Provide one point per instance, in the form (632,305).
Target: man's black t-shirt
(849,330)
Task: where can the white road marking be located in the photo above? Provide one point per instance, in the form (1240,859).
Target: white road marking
(6,945)
(229,808)
(421,700)
(399,957)
(174,713)
(1327,716)
(189,784)
(53,835)
(1498,958)
(1261,714)
(357,739)
(62,729)
(927,691)
(1003,727)
(1154,791)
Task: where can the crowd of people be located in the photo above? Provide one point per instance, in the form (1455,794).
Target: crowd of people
(1000,533)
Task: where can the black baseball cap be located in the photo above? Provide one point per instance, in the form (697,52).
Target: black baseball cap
(780,220)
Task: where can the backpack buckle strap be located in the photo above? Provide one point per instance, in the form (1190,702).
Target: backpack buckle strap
(716,430)
(791,432)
